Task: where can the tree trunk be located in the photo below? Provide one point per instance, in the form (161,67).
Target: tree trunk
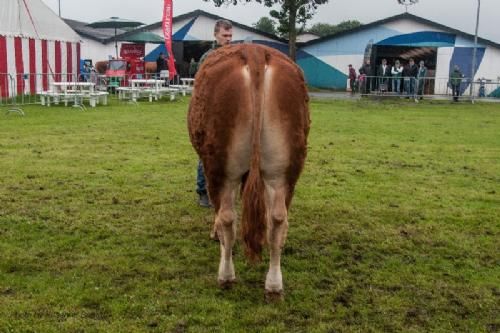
(292,34)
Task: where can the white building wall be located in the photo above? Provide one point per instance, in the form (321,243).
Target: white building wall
(91,49)
(349,49)
(490,69)
(176,26)
(490,66)
(444,55)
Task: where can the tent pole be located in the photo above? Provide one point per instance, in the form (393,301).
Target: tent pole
(116,45)
(474,52)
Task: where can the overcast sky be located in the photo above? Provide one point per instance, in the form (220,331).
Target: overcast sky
(458,14)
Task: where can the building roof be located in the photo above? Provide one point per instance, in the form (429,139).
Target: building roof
(101,35)
(107,35)
(199,12)
(400,17)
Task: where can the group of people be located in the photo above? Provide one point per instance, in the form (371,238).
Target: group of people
(408,79)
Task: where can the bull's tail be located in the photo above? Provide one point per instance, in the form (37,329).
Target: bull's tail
(253,225)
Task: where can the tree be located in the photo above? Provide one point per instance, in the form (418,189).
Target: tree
(292,12)
(325,29)
(265,24)
(407,3)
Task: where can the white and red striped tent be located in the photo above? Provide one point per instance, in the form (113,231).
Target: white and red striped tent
(36,47)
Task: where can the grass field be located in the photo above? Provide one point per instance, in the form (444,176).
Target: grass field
(395,225)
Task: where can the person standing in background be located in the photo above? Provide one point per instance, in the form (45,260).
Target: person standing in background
(421,75)
(383,74)
(366,71)
(193,66)
(455,82)
(352,79)
(161,63)
(409,76)
(223,33)
(397,74)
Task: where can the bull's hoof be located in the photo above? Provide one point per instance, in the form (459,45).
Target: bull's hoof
(275,296)
(226,284)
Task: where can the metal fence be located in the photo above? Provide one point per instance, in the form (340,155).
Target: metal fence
(22,89)
(25,89)
(427,87)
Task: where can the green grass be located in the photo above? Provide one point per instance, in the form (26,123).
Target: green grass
(395,224)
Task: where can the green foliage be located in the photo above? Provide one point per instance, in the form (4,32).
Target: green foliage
(265,24)
(393,228)
(325,29)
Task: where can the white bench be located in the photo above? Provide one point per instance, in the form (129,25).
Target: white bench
(183,89)
(98,96)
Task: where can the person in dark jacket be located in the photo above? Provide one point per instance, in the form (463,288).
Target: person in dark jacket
(455,82)
(161,63)
(410,72)
(421,75)
(223,33)
(193,67)
(352,79)
(383,75)
(367,72)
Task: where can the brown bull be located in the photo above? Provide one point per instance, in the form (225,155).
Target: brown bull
(248,121)
(150,67)
(101,66)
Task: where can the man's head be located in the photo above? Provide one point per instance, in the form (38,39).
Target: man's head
(422,63)
(456,67)
(368,61)
(384,61)
(350,66)
(397,63)
(223,32)
(412,62)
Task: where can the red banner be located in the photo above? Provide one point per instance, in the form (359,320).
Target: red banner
(132,51)
(167,33)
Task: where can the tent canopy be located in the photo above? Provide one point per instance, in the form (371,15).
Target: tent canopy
(16,20)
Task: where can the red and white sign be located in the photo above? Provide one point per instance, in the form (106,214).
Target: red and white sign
(167,34)
(132,51)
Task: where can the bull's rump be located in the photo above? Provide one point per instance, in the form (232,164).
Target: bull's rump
(236,87)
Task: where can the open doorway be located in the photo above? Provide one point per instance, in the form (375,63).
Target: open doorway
(403,54)
(186,50)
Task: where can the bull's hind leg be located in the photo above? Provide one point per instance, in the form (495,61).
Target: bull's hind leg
(225,224)
(277,232)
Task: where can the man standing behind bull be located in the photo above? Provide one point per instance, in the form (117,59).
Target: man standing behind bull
(223,33)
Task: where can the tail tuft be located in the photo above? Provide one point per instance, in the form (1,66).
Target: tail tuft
(253,226)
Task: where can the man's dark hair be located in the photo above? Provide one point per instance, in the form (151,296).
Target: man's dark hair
(225,24)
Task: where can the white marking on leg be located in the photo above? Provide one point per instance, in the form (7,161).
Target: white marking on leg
(276,237)
(226,230)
